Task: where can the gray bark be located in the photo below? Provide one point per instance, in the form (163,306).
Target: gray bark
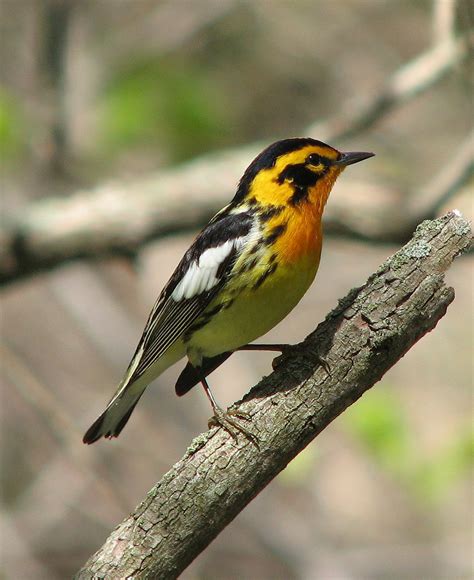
(367,333)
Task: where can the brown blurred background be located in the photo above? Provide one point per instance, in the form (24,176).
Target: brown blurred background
(110,91)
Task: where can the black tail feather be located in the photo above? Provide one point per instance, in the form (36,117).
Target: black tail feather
(94,433)
(191,376)
(123,421)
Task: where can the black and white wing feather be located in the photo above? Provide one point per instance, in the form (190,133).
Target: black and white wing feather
(202,272)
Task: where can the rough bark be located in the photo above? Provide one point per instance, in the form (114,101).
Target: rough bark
(368,332)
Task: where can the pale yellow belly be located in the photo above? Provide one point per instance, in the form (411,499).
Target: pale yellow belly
(253,312)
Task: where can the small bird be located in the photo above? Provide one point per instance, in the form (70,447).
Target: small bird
(244,272)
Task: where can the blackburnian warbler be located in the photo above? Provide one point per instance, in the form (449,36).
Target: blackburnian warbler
(246,270)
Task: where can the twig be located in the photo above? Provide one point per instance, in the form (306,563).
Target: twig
(370,330)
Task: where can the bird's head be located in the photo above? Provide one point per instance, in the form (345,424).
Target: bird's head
(294,171)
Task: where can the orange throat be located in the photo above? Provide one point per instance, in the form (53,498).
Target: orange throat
(303,237)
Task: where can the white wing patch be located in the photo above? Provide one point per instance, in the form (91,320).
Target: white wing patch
(202,275)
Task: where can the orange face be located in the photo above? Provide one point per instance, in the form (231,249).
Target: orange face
(299,182)
(287,186)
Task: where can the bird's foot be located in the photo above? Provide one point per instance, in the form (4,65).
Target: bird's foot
(229,420)
(299,350)
(324,363)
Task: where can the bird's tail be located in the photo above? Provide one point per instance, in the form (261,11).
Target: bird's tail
(117,413)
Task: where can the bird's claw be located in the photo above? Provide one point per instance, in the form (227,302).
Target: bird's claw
(310,356)
(228,420)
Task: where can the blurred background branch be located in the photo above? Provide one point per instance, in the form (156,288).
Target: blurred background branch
(454,174)
(412,78)
(57,22)
(119,218)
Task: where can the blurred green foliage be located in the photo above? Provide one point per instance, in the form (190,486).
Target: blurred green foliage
(299,470)
(12,128)
(435,476)
(378,421)
(155,102)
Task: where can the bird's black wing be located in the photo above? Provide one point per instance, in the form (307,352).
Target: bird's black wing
(200,275)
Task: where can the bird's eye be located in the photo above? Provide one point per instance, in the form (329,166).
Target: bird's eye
(314,159)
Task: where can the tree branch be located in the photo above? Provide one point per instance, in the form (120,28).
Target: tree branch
(369,331)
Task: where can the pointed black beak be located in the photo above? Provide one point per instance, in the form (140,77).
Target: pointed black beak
(353,157)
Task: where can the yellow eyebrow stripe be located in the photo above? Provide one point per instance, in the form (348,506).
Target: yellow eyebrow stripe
(296,156)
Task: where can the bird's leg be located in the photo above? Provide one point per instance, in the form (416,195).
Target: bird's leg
(228,419)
